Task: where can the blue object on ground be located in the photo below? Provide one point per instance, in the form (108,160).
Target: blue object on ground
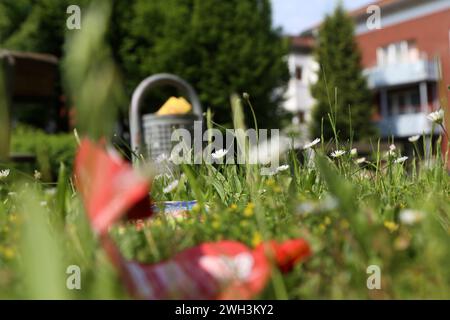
(171,206)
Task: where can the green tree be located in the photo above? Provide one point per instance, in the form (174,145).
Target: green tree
(341,90)
(37,26)
(220,47)
(12,14)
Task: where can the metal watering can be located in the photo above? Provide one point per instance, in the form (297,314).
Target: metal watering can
(151,133)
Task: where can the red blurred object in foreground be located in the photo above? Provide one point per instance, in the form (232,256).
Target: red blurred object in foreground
(220,270)
(286,254)
(109,187)
(223,270)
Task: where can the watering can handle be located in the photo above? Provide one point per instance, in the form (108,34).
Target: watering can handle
(139,93)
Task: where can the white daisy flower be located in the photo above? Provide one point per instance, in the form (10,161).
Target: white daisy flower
(171,186)
(162,175)
(37,175)
(161,158)
(282,168)
(361,160)
(219,154)
(51,191)
(410,217)
(4,173)
(337,153)
(391,151)
(311,144)
(436,116)
(414,138)
(329,203)
(306,207)
(270,172)
(354,152)
(400,160)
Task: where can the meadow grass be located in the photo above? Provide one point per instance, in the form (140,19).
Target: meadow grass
(353,215)
(382,211)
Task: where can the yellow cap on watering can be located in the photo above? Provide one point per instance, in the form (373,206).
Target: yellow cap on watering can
(175,106)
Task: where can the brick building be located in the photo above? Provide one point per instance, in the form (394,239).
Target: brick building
(406,62)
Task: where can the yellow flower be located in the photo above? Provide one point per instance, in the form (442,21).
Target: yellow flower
(12,217)
(402,242)
(216,224)
(196,208)
(9,253)
(257,239)
(248,211)
(233,206)
(244,224)
(391,226)
(345,224)
(121,230)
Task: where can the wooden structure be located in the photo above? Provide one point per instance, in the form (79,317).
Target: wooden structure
(25,77)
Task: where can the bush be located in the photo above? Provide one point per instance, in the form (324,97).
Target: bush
(50,149)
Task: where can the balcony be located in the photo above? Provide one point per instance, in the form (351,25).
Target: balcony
(405,125)
(402,73)
(298,97)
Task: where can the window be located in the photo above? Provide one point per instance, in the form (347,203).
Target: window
(298,72)
(398,52)
(404,101)
(301,117)
(415,100)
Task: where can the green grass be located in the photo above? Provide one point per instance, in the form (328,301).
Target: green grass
(49,149)
(350,213)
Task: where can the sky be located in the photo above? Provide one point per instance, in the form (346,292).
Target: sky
(295,16)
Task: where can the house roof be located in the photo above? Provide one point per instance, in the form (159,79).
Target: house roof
(31,75)
(302,42)
(361,13)
(33,56)
(381,3)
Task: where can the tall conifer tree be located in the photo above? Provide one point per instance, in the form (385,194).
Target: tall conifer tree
(341,90)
